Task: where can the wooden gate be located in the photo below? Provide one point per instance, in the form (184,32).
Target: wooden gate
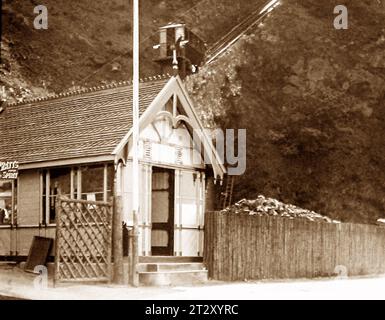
(83,241)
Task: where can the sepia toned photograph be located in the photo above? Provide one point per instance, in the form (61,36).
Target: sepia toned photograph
(197,150)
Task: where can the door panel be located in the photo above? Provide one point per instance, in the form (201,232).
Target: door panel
(190,190)
(159,238)
(162,212)
(160,201)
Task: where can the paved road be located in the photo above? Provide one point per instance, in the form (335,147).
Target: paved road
(15,282)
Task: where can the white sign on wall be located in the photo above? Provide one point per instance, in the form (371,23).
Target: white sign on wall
(9,170)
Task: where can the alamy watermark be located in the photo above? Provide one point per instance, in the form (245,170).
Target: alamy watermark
(229,148)
(41,20)
(41,281)
(341,21)
(341,272)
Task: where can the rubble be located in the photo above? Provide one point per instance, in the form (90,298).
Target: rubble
(263,206)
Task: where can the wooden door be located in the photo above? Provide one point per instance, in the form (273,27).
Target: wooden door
(190,195)
(162,212)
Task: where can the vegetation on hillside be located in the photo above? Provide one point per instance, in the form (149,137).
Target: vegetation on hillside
(312,100)
(89,42)
(311,97)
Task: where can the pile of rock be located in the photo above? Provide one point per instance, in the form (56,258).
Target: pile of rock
(263,206)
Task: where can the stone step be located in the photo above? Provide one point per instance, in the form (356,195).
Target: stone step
(173,278)
(169,259)
(171,266)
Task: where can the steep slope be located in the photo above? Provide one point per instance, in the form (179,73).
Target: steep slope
(82,36)
(89,42)
(312,101)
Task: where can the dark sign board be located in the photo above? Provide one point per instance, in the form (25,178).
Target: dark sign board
(38,253)
(9,170)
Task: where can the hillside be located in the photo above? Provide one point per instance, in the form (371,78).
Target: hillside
(312,101)
(310,97)
(89,42)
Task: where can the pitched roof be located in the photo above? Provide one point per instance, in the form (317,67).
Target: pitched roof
(82,124)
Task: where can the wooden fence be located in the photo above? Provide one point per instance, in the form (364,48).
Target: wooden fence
(240,247)
(83,240)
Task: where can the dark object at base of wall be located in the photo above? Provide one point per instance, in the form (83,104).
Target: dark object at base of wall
(38,253)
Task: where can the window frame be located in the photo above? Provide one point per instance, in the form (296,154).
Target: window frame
(13,203)
(75,188)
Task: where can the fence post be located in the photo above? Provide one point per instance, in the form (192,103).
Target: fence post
(117,230)
(57,262)
(130,256)
(134,261)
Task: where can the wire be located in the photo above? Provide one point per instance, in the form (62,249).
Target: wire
(222,45)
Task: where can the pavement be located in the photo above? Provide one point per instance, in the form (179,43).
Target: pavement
(14,282)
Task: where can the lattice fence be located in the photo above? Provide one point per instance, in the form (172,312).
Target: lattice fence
(83,240)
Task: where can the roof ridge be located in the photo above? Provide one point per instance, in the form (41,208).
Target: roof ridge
(77,92)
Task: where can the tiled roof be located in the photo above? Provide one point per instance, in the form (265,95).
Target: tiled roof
(80,124)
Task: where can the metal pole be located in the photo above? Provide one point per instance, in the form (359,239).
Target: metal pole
(135,140)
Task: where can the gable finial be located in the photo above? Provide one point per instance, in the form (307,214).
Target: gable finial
(175,67)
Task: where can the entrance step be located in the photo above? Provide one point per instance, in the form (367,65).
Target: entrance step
(168,266)
(169,259)
(173,278)
(171,271)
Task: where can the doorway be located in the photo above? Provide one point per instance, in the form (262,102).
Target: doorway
(162,212)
